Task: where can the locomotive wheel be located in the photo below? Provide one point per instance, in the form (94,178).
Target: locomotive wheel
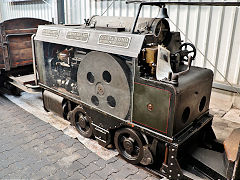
(82,122)
(129,145)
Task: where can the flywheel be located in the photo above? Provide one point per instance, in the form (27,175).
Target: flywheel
(103,83)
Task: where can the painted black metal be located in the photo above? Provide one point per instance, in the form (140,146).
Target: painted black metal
(205,170)
(99,116)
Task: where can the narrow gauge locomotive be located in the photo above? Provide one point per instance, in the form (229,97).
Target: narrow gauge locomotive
(134,88)
(15,47)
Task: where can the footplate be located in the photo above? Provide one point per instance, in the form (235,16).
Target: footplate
(217,164)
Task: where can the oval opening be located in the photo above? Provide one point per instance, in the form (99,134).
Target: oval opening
(90,77)
(202,103)
(107,76)
(95,100)
(185,114)
(111,101)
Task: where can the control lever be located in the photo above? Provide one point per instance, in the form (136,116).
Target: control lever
(190,59)
(173,78)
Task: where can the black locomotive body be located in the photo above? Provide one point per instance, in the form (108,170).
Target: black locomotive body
(109,82)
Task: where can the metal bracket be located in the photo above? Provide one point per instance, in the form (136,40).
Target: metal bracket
(171,169)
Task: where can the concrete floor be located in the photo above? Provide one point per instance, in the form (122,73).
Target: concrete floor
(33,149)
(226,114)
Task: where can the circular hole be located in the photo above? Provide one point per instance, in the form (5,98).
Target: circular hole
(90,77)
(185,114)
(111,101)
(202,103)
(107,76)
(95,100)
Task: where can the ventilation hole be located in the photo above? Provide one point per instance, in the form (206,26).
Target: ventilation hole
(111,101)
(107,76)
(202,103)
(185,114)
(90,77)
(95,100)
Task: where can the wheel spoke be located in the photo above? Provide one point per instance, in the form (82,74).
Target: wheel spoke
(122,138)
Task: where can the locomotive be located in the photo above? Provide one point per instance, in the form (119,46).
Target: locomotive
(134,87)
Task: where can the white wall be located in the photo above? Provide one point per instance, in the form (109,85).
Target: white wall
(38,9)
(214,30)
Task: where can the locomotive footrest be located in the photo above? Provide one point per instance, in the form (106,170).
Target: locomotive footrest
(219,165)
(25,83)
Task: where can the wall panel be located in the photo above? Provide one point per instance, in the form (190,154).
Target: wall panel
(37,9)
(214,30)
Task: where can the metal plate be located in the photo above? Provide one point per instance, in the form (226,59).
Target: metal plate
(157,116)
(83,37)
(131,49)
(103,83)
(118,41)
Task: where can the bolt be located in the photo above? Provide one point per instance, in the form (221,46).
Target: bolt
(150,107)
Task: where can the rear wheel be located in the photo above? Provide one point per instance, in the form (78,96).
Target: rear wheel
(129,145)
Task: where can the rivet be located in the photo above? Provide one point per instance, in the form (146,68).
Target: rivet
(169,176)
(173,149)
(150,107)
(171,164)
(178,175)
(170,170)
(172,157)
